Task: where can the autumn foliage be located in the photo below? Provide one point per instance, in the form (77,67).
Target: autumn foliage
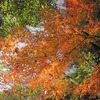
(42,59)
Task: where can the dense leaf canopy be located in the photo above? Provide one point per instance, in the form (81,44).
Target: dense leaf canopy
(60,60)
(19,13)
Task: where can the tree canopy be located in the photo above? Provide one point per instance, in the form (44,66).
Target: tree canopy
(20,13)
(62,59)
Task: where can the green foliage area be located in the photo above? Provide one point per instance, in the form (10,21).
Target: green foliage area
(81,73)
(19,92)
(7,96)
(20,13)
(96,13)
(72,97)
(83,22)
(84,70)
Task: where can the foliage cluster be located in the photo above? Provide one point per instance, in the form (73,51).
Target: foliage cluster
(58,63)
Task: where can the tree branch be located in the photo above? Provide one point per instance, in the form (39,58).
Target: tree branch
(75,47)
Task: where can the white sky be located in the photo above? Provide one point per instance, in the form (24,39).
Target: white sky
(60,4)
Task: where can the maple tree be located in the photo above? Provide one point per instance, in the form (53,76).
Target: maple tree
(32,70)
(45,56)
